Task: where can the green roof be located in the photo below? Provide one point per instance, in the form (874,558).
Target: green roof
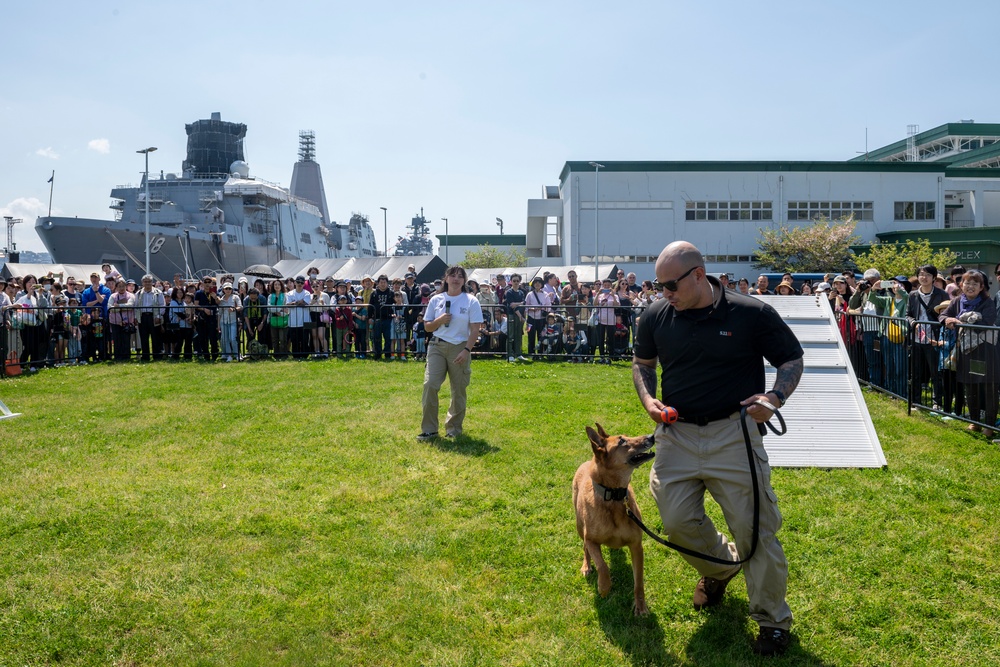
(940,132)
(977,245)
(494,240)
(768,166)
(967,157)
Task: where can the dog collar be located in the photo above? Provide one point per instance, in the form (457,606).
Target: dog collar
(610,494)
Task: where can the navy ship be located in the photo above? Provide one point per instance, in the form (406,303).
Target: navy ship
(212,216)
(418,241)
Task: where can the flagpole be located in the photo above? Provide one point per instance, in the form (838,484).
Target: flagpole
(52,186)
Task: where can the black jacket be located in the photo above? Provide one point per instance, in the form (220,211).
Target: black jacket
(914,308)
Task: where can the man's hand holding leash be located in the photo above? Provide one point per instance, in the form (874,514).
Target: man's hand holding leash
(760,407)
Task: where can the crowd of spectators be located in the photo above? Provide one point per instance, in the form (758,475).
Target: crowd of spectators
(52,322)
(919,334)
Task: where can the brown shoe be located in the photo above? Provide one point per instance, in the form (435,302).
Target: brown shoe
(709,592)
(974,427)
(989,433)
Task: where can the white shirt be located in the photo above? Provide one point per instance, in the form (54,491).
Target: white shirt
(150,302)
(298,313)
(465,311)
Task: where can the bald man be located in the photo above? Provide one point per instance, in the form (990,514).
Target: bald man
(711,344)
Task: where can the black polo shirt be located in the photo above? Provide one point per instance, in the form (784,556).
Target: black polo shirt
(713,359)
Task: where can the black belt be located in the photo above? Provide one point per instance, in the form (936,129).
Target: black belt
(707,419)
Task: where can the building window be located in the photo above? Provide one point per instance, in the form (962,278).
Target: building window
(914,210)
(305,238)
(728,210)
(831,210)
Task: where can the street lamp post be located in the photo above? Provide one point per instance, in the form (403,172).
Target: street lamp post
(385,232)
(500,223)
(146,152)
(445,240)
(597,192)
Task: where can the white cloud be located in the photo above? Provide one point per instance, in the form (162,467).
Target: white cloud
(26,208)
(47,152)
(100,145)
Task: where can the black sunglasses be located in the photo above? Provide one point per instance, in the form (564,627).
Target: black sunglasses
(671,285)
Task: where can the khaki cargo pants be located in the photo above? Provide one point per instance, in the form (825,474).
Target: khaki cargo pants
(691,459)
(440,362)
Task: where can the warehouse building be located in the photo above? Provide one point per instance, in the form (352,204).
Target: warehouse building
(942,184)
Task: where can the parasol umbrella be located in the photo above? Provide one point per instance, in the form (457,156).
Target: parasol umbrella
(262,271)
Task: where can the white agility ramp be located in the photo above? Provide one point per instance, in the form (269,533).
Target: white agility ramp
(828,421)
(5,412)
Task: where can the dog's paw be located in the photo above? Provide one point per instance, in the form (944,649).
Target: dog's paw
(641,609)
(587,570)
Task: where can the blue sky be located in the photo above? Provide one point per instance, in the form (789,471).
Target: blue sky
(467,109)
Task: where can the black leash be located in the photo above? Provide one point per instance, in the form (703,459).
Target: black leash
(756,496)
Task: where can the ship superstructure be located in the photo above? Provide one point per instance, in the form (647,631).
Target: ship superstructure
(214,215)
(418,241)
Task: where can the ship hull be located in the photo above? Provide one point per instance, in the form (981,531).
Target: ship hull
(90,241)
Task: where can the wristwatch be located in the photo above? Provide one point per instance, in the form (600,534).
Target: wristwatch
(780,395)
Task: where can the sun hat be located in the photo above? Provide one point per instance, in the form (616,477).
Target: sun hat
(785,283)
(823,287)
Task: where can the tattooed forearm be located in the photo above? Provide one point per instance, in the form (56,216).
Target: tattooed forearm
(644,378)
(788,376)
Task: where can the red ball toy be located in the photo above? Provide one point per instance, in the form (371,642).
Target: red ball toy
(669,415)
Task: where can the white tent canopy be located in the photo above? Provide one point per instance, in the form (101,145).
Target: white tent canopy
(79,271)
(428,267)
(584,272)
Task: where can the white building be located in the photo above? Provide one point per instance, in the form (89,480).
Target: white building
(942,184)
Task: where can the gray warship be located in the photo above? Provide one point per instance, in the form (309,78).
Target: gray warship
(212,216)
(418,241)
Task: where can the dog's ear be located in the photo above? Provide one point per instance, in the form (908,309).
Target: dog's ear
(596,442)
(601,432)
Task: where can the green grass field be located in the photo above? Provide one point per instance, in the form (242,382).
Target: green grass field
(284,514)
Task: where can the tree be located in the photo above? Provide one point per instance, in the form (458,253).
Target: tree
(815,248)
(488,257)
(903,259)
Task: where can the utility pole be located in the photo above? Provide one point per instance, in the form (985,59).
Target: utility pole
(146,152)
(385,231)
(445,240)
(597,204)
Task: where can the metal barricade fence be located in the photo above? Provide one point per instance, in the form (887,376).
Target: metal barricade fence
(577,333)
(954,372)
(41,337)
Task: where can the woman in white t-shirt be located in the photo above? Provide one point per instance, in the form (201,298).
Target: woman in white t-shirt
(452,318)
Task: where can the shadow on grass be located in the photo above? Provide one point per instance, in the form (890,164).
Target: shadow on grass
(463,444)
(639,637)
(724,635)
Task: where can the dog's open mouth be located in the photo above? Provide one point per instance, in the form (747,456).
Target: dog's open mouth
(637,460)
(644,455)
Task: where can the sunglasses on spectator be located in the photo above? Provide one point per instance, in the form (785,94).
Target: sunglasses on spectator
(671,285)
